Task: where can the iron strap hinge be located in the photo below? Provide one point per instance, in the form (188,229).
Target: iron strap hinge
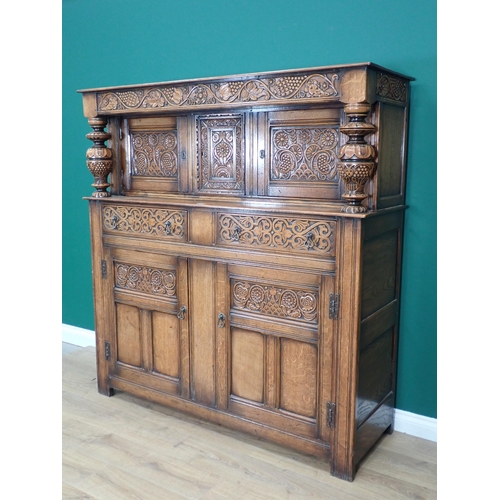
(330,414)
(107,350)
(334,306)
(104,269)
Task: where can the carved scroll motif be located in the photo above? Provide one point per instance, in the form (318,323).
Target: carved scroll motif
(154,154)
(277,232)
(275,301)
(306,154)
(145,279)
(293,87)
(220,153)
(147,221)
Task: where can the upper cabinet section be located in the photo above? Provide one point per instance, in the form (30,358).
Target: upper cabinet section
(334,133)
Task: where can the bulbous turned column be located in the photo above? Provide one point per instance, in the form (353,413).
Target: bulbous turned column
(99,157)
(356,163)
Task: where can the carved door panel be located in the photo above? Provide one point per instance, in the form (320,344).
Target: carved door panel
(149,342)
(154,154)
(298,153)
(279,345)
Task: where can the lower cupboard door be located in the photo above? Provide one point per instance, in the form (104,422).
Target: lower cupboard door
(148,322)
(280,350)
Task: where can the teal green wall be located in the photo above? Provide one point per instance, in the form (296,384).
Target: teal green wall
(122,42)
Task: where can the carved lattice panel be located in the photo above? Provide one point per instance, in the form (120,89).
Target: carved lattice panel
(220,154)
(304,153)
(154,154)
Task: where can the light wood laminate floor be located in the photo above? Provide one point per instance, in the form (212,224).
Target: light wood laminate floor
(124,448)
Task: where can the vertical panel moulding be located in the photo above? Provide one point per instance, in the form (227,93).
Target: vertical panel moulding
(182,299)
(261,160)
(126,163)
(146,340)
(184,159)
(222,333)
(103,299)
(202,318)
(325,353)
(349,277)
(271,364)
(115,145)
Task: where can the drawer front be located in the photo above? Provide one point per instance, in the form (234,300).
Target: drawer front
(289,234)
(151,222)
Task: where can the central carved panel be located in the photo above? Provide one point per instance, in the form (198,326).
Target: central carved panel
(278,301)
(154,154)
(220,153)
(304,154)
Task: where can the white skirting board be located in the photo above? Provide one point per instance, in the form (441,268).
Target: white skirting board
(404,421)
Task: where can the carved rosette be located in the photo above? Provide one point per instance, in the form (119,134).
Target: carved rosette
(356,158)
(99,157)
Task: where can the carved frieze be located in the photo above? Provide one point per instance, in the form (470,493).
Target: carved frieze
(391,87)
(276,232)
(220,153)
(274,300)
(157,222)
(145,279)
(319,85)
(305,154)
(154,154)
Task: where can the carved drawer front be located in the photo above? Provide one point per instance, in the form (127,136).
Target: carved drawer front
(303,154)
(156,154)
(220,164)
(265,232)
(151,222)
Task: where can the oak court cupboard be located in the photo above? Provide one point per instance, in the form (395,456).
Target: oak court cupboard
(246,250)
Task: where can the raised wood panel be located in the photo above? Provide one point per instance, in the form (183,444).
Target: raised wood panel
(166,344)
(128,335)
(375,375)
(298,380)
(247,364)
(390,177)
(379,272)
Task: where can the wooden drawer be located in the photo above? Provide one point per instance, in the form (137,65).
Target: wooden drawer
(148,222)
(296,234)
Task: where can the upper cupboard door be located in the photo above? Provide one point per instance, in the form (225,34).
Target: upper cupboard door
(220,154)
(298,154)
(155,155)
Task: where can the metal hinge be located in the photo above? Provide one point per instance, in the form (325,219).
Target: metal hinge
(334,306)
(107,350)
(330,414)
(104,269)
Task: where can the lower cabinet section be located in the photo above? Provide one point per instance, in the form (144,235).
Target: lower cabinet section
(242,339)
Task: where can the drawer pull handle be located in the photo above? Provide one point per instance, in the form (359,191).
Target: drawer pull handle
(221,320)
(310,243)
(168,227)
(181,312)
(236,234)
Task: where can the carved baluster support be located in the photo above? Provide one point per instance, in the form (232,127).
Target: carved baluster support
(356,158)
(99,157)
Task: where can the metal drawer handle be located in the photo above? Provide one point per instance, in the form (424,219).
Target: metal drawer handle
(236,233)
(181,312)
(310,243)
(221,320)
(168,227)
